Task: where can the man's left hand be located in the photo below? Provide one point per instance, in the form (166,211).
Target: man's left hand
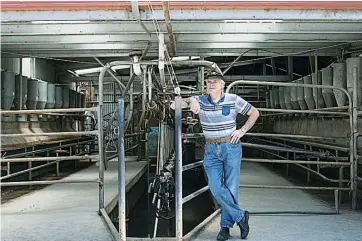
(235,137)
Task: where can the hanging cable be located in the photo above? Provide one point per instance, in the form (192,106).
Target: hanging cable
(168,59)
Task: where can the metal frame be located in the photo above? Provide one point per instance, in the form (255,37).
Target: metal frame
(99,157)
(47,150)
(178,141)
(352,113)
(121,172)
(178,190)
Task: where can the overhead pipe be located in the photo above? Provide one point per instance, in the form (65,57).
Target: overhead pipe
(130,87)
(186,63)
(221,65)
(110,71)
(161,58)
(133,76)
(149,74)
(169,26)
(144,98)
(136,65)
(232,64)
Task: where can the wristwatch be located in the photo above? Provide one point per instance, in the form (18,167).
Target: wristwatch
(243,129)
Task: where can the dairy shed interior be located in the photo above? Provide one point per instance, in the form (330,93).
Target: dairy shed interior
(91,150)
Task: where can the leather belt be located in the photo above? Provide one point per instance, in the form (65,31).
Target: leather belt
(217,140)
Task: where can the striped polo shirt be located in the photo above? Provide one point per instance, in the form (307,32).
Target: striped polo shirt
(219,119)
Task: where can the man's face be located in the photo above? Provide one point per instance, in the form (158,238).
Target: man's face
(214,85)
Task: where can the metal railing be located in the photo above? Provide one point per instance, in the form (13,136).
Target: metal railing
(14,157)
(121,124)
(352,114)
(56,160)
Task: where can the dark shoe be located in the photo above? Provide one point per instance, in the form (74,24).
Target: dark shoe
(244,225)
(224,234)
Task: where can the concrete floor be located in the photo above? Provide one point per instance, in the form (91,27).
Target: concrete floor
(286,227)
(63,212)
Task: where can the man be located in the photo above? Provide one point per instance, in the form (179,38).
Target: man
(222,158)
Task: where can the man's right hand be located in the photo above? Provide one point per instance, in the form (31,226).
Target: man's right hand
(192,102)
(194,106)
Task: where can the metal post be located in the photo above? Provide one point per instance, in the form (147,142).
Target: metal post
(202,71)
(101,151)
(57,164)
(336,200)
(353,151)
(340,178)
(121,173)
(147,157)
(178,143)
(290,67)
(149,74)
(287,166)
(130,92)
(272,62)
(161,58)
(308,173)
(156,219)
(161,133)
(8,169)
(144,99)
(30,166)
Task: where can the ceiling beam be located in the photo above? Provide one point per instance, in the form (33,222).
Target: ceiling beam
(194,52)
(182,46)
(181,38)
(202,27)
(342,12)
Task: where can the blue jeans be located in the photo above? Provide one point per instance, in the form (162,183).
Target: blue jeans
(222,165)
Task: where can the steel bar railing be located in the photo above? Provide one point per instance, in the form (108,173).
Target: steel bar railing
(197,135)
(8,184)
(352,113)
(296,162)
(121,172)
(42,159)
(68,133)
(45,111)
(57,159)
(178,178)
(195,194)
(48,149)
